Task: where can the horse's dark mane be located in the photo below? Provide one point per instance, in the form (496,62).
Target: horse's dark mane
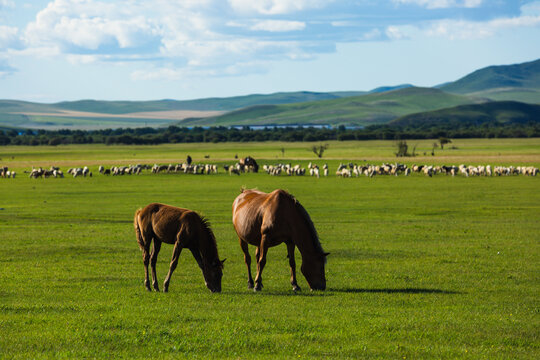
(212,245)
(314,235)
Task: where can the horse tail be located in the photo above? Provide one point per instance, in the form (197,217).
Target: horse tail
(140,239)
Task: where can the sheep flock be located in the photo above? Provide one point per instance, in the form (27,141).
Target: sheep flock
(348,170)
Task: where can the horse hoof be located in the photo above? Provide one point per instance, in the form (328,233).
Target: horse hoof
(250,285)
(296,288)
(258,287)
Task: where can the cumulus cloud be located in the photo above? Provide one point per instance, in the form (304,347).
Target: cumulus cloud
(89,24)
(187,38)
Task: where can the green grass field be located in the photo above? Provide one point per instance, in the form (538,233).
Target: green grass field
(419,267)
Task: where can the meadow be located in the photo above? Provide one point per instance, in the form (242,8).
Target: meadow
(419,267)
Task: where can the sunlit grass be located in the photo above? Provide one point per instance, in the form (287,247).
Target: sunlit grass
(419,267)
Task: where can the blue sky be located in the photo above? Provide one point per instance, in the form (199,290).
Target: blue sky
(184,49)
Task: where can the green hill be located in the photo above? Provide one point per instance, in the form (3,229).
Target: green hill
(492,113)
(374,108)
(519,82)
(207,104)
(22,114)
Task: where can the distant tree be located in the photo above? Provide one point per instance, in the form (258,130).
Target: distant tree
(433,147)
(402,148)
(414,150)
(55,141)
(319,149)
(443,141)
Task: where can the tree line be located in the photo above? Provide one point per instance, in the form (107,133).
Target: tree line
(175,134)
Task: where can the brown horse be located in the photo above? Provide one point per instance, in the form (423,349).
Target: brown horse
(183,228)
(267,220)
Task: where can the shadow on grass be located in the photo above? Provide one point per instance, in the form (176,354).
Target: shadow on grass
(331,291)
(279,293)
(395,291)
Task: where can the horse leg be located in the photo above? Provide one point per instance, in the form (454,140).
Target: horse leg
(247,260)
(292,264)
(174,261)
(153,261)
(261,262)
(146,261)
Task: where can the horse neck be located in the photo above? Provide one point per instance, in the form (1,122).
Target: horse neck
(304,238)
(307,238)
(207,245)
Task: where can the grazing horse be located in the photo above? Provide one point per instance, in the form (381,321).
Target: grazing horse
(267,220)
(183,228)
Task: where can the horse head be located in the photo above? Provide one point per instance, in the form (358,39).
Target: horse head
(213,272)
(313,270)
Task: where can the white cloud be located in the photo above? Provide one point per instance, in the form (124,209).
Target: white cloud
(457,29)
(442,4)
(275,7)
(461,29)
(278,25)
(89,24)
(185,38)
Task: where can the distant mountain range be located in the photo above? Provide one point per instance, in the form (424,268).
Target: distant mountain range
(519,82)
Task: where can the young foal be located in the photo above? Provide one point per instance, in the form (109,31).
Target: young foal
(183,228)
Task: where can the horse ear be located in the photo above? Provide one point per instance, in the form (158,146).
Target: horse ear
(326,254)
(222,261)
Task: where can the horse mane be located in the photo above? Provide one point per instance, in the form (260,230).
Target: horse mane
(207,229)
(314,235)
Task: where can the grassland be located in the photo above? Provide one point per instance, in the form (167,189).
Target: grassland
(419,268)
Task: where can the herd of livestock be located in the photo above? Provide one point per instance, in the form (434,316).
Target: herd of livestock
(250,165)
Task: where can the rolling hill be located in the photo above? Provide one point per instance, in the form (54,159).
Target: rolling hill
(518,82)
(374,108)
(90,114)
(492,113)
(207,104)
